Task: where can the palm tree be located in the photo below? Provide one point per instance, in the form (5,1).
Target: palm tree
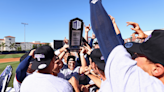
(3,45)
(0,46)
(9,46)
(12,45)
(16,47)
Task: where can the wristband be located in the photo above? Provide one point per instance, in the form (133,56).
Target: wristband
(57,52)
(81,54)
(91,70)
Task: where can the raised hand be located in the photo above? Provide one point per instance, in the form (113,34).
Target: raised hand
(93,36)
(87,28)
(87,70)
(65,40)
(82,50)
(32,53)
(95,69)
(137,29)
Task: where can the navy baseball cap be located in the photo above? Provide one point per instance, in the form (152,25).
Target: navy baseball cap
(153,48)
(98,59)
(43,56)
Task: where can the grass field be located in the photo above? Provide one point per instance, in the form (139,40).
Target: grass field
(14,66)
(11,55)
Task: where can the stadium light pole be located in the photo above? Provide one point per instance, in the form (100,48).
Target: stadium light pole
(24,34)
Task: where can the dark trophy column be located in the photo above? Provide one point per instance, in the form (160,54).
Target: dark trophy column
(75,33)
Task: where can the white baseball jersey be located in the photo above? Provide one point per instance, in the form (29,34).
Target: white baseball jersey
(123,75)
(17,84)
(66,73)
(39,82)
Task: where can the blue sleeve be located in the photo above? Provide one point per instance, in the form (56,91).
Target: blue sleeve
(22,68)
(119,37)
(103,28)
(91,42)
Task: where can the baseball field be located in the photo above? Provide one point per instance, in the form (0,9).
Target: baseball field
(9,59)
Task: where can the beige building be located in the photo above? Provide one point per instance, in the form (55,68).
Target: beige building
(1,41)
(8,40)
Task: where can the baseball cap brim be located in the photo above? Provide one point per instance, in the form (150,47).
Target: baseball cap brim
(133,48)
(40,65)
(100,65)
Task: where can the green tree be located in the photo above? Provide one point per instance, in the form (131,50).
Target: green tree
(19,48)
(16,47)
(34,46)
(47,44)
(3,45)
(0,47)
(12,46)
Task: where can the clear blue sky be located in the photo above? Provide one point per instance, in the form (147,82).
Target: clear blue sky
(49,19)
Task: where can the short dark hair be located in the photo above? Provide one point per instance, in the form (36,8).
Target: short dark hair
(25,55)
(69,57)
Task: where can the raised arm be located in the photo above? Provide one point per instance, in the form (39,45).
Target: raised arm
(83,61)
(115,25)
(23,66)
(118,33)
(95,79)
(87,29)
(103,28)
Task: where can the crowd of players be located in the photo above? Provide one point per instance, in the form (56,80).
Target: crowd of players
(110,65)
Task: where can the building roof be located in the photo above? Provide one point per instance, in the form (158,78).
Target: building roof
(9,37)
(1,39)
(38,43)
(31,43)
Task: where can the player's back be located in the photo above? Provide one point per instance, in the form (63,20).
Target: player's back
(38,82)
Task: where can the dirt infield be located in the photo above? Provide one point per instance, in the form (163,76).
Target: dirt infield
(9,60)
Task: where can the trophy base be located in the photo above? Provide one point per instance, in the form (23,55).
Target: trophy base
(74,49)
